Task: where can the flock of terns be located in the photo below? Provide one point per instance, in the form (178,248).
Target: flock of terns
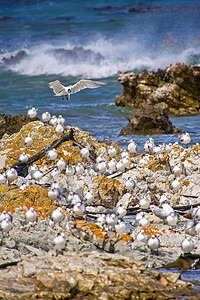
(112,221)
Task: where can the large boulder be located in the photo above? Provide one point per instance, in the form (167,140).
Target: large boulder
(11,124)
(178,86)
(149,120)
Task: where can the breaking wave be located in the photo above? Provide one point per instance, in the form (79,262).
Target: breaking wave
(98,58)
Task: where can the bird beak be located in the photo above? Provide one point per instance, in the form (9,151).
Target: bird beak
(68,97)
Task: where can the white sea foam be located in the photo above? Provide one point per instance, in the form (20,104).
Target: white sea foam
(117,56)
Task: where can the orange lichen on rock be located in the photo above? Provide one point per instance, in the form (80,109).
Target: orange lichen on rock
(13,198)
(150,230)
(184,182)
(160,163)
(91,228)
(109,187)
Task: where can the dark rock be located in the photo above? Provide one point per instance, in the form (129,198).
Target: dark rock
(178,86)
(76,55)
(149,120)
(11,124)
(14,59)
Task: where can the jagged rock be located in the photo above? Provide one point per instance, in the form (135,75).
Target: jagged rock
(76,54)
(13,59)
(89,276)
(149,120)
(178,86)
(11,124)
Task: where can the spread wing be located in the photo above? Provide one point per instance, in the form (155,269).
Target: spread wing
(58,88)
(84,84)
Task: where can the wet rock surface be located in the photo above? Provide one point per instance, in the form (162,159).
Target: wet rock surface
(149,120)
(177,88)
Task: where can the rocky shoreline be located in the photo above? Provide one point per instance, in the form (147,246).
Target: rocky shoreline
(96,263)
(177,89)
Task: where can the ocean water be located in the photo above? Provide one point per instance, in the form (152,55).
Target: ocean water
(93,39)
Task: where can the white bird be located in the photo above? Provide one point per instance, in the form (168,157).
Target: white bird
(130,184)
(184,138)
(177,170)
(156,149)
(132,147)
(112,165)
(164,198)
(61,120)
(84,153)
(11,174)
(196,212)
(75,199)
(59,242)
(175,185)
(79,169)
(46,116)
(79,209)
(54,172)
(190,227)
(6,215)
(120,227)
(149,144)
(53,121)
(32,168)
(144,221)
(59,129)
(163,212)
(101,220)
(32,113)
(31,215)
(51,154)
(143,160)
(61,90)
(91,172)
(88,197)
(142,237)
(37,175)
(197,227)
(112,152)
(153,242)
(187,245)
(120,166)
(23,158)
(139,216)
(3,178)
(120,211)
(111,220)
(167,148)
(167,208)
(100,159)
(53,193)
(144,203)
(57,216)
(124,154)
(28,141)
(100,167)
(61,164)
(172,219)
(6,225)
(70,171)
(126,162)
